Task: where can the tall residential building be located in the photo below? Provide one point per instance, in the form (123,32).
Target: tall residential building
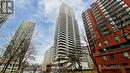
(47,59)
(66,40)
(87,62)
(6,9)
(107,25)
(19,44)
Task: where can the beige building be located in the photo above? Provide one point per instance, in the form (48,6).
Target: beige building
(66,39)
(47,58)
(87,62)
(18,45)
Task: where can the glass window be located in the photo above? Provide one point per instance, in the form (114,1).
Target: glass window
(106,43)
(117,39)
(104,58)
(128,9)
(99,46)
(128,36)
(125,5)
(118,0)
(113,65)
(10,64)
(126,55)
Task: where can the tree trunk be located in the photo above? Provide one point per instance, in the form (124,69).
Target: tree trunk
(97,68)
(122,69)
(6,66)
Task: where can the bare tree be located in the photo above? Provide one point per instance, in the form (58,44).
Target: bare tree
(11,57)
(30,55)
(90,51)
(18,46)
(3,48)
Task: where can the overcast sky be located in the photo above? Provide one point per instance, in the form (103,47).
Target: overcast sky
(44,14)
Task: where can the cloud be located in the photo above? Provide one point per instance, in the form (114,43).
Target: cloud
(21,3)
(44,13)
(52,8)
(49,14)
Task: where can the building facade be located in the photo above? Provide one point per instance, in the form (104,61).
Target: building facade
(19,45)
(6,9)
(66,40)
(87,62)
(108,31)
(47,59)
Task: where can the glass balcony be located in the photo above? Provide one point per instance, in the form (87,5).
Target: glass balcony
(126,17)
(98,19)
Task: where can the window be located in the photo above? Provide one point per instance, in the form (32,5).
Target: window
(126,55)
(113,65)
(128,9)
(100,47)
(128,36)
(112,57)
(118,0)
(6,7)
(104,58)
(117,39)
(105,32)
(106,43)
(10,65)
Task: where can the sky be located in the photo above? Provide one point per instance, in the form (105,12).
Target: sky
(44,14)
